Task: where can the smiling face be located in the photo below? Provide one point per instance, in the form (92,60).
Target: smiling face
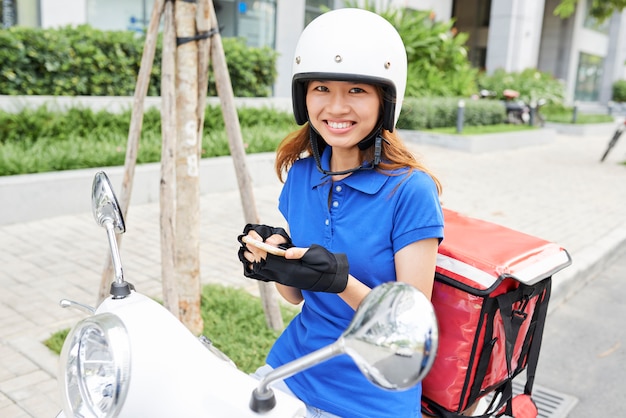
(343,112)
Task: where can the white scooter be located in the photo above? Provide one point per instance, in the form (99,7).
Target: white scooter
(133,358)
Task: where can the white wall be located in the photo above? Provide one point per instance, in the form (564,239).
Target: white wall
(55,13)
(514,34)
(616,52)
(289,25)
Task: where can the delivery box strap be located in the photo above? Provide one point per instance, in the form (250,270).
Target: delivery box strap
(512,320)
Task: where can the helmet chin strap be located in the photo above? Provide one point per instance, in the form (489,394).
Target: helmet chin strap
(374,138)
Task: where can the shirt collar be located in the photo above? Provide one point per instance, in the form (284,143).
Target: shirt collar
(367,181)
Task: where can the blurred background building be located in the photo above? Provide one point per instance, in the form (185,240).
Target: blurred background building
(586,55)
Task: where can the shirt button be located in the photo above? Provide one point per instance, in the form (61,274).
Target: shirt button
(335,204)
(338,188)
(327,222)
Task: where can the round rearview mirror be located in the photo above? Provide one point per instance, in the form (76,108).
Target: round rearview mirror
(104,204)
(393,339)
(393,336)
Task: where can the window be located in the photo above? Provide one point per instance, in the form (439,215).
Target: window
(484,12)
(588,78)
(8,13)
(314,8)
(478,57)
(254,20)
(119,14)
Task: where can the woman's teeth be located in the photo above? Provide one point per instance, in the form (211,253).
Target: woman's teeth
(339,125)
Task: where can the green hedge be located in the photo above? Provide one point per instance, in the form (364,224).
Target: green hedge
(438,112)
(83,61)
(40,140)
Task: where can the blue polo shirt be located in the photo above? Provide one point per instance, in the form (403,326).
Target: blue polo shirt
(368,216)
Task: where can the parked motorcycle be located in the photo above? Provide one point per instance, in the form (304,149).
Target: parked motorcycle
(133,358)
(518,112)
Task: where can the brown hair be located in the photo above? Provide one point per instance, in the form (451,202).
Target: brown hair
(395,154)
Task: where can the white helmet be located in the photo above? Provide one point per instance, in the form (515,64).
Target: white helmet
(351,45)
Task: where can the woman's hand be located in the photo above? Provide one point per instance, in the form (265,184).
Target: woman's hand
(295,253)
(314,268)
(272,236)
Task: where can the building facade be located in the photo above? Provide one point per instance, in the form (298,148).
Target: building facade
(510,34)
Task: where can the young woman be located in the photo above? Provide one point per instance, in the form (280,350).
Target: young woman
(361,210)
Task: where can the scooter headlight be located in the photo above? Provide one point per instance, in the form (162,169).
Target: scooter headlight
(95,367)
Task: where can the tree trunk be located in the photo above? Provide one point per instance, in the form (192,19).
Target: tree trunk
(168,163)
(187,245)
(134,132)
(233,130)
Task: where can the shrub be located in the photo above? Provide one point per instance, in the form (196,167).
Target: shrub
(438,112)
(72,61)
(437,56)
(530,83)
(619,91)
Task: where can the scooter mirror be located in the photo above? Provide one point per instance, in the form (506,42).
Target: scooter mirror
(104,204)
(393,339)
(393,336)
(107,213)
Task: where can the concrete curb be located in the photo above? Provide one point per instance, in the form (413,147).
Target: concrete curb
(586,266)
(37,196)
(482,143)
(605,129)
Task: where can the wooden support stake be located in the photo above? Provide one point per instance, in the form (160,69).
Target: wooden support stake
(233,130)
(203,23)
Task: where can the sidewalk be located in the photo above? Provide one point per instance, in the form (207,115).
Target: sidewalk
(559,192)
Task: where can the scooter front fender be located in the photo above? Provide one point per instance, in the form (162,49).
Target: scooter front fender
(173,374)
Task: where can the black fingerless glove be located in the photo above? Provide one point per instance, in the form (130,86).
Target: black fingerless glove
(318,270)
(265,232)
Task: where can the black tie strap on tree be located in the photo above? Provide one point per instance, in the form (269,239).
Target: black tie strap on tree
(201,35)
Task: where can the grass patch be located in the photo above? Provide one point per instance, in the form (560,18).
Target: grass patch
(557,113)
(485,129)
(581,119)
(55,342)
(233,320)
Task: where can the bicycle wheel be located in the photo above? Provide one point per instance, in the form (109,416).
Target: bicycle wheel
(613,141)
